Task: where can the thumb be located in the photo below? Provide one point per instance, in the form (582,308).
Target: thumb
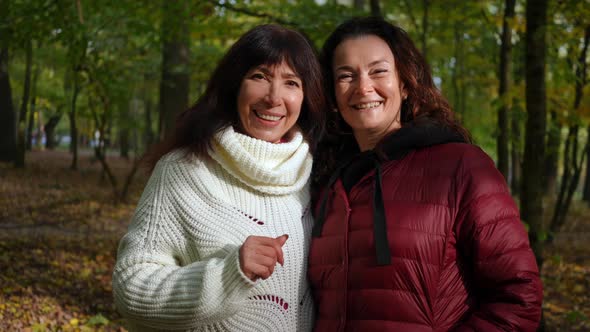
(282,239)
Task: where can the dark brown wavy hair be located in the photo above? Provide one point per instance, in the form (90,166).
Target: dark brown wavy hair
(268,44)
(424,99)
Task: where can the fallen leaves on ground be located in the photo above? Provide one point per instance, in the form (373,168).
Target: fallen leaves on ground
(59,230)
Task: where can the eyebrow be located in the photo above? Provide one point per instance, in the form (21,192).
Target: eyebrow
(373,63)
(267,71)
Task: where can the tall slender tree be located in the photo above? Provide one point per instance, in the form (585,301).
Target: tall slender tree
(7,111)
(174,84)
(586,192)
(534,151)
(504,88)
(573,156)
(22,118)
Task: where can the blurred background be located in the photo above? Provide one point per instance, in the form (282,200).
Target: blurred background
(87,86)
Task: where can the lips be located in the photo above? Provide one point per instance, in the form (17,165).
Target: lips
(369,105)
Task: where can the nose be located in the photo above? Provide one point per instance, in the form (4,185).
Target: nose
(273,96)
(364,85)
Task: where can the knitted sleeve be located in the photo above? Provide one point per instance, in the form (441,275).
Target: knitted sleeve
(492,238)
(150,286)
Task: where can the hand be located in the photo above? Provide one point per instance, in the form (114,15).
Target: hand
(260,254)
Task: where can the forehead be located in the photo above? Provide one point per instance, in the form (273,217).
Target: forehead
(364,48)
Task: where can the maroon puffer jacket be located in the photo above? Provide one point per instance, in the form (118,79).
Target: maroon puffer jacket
(460,256)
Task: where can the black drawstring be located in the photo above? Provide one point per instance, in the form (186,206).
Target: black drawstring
(379,220)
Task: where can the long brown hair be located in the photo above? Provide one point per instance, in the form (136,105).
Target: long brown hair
(268,44)
(424,100)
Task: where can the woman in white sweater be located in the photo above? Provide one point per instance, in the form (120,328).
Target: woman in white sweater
(220,236)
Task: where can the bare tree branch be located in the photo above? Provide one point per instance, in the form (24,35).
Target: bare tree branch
(252,13)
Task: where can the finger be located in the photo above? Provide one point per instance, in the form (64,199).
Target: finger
(273,250)
(281,241)
(262,271)
(267,251)
(258,266)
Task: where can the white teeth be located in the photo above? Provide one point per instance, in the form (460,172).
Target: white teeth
(268,117)
(367,105)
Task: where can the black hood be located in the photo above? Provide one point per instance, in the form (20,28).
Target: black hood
(354,165)
(420,134)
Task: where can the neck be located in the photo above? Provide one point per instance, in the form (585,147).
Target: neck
(367,139)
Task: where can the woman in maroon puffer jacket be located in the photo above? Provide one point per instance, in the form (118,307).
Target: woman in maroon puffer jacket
(416,229)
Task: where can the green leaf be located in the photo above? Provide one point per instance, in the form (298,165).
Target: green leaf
(575,316)
(97,320)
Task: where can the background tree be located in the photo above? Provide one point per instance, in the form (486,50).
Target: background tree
(174,85)
(504,76)
(534,153)
(7,112)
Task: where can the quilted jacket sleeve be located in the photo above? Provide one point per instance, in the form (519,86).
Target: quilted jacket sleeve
(493,240)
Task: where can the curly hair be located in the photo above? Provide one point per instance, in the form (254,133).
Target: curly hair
(423,100)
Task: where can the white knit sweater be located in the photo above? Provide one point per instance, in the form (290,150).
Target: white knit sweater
(178,267)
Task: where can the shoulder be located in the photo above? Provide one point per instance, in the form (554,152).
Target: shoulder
(459,157)
(470,167)
(178,169)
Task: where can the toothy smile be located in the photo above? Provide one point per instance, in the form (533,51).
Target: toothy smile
(363,106)
(267,116)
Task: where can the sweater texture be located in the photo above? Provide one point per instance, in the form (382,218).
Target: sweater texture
(178,266)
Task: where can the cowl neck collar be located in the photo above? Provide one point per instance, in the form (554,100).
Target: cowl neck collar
(272,168)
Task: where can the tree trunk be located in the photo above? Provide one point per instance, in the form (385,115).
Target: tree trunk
(586,192)
(552,160)
(33,109)
(50,131)
(359,4)
(573,157)
(174,85)
(504,88)
(516,148)
(426,4)
(534,151)
(149,132)
(21,137)
(573,161)
(456,75)
(375,8)
(7,111)
(73,125)
(124,110)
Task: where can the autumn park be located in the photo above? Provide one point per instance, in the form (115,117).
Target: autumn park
(86,87)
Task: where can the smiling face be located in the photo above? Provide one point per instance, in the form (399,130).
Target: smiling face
(269,102)
(367,88)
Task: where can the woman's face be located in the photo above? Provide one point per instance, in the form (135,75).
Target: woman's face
(367,87)
(269,102)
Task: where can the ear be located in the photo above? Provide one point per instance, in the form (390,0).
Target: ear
(404,93)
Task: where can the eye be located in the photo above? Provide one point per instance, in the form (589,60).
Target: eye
(293,83)
(257,76)
(344,77)
(380,71)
